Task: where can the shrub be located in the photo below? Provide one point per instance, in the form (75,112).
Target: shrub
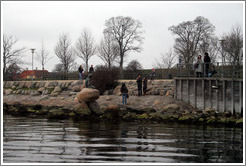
(104,78)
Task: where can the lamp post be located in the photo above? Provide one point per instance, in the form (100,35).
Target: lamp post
(223,56)
(32,50)
(222,50)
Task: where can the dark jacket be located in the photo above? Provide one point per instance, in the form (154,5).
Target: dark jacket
(123,89)
(145,84)
(139,82)
(80,70)
(206,59)
(91,70)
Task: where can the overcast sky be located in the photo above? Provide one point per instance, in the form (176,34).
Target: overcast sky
(34,21)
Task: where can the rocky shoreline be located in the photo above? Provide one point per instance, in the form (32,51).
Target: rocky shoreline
(81,103)
(110,109)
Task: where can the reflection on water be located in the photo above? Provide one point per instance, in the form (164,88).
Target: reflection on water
(28,140)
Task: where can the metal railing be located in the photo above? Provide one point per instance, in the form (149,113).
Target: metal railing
(222,70)
(218,69)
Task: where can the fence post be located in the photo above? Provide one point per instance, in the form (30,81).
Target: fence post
(224,95)
(241,96)
(188,90)
(232,98)
(217,96)
(181,90)
(203,93)
(210,93)
(195,93)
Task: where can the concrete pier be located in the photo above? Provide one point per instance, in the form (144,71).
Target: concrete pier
(222,94)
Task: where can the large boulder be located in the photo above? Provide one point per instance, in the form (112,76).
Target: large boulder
(95,108)
(82,109)
(76,88)
(87,95)
(117,90)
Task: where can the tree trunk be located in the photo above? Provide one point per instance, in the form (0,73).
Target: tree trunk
(86,66)
(121,66)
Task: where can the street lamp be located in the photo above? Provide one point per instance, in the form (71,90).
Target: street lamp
(32,50)
(223,56)
(222,50)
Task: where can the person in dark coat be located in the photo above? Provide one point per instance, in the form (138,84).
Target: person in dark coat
(91,70)
(145,85)
(206,61)
(139,83)
(124,92)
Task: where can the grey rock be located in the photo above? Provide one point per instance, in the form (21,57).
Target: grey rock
(54,94)
(40,90)
(76,88)
(45,92)
(8,91)
(45,97)
(95,108)
(72,93)
(35,93)
(57,89)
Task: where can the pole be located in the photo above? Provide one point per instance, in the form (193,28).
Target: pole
(32,50)
(223,56)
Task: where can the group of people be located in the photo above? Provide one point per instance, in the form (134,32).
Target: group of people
(142,89)
(142,85)
(88,78)
(199,70)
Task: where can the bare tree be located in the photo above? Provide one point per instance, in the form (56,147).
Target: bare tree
(11,55)
(166,60)
(127,33)
(107,51)
(211,46)
(134,65)
(42,56)
(233,45)
(190,34)
(65,52)
(85,47)
(58,68)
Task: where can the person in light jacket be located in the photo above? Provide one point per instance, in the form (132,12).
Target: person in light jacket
(199,66)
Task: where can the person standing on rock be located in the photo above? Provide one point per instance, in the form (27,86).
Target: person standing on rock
(145,85)
(139,83)
(153,74)
(124,92)
(81,70)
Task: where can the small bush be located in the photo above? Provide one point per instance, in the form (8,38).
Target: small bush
(104,78)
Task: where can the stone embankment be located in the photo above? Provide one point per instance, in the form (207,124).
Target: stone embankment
(69,99)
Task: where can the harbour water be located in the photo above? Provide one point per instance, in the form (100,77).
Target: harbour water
(39,140)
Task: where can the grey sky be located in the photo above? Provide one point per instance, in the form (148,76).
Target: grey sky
(43,20)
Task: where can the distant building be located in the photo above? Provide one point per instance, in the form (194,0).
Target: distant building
(37,74)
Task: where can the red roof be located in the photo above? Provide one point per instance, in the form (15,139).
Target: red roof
(36,73)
